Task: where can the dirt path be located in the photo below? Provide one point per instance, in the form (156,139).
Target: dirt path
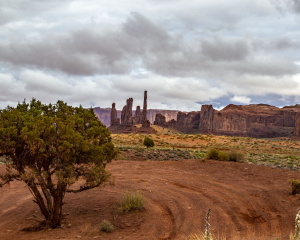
(246,202)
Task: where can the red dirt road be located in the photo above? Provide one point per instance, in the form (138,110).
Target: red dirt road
(246,202)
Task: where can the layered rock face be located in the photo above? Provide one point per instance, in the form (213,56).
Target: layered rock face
(187,122)
(297,130)
(104,115)
(259,120)
(255,120)
(207,113)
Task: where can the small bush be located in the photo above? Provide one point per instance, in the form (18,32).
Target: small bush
(148,142)
(223,156)
(213,154)
(132,201)
(106,226)
(295,186)
(236,156)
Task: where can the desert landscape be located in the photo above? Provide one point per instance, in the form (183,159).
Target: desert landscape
(150,120)
(248,200)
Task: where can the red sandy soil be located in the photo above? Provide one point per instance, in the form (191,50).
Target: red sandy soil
(246,202)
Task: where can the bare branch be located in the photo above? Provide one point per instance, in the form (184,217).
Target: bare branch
(81,189)
(9,177)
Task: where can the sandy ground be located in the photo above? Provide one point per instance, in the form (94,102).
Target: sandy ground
(246,202)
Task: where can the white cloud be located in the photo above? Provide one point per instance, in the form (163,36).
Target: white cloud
(241,99)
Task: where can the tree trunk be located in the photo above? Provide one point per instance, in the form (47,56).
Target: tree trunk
(56,217)
(52,212)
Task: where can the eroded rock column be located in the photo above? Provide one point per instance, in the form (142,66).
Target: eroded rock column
(114,120)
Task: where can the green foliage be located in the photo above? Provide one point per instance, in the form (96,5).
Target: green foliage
(148,142)
(223,156)
(233,155)
(106,226)
(236,156)
(50,147)
(213,154)
(131,201)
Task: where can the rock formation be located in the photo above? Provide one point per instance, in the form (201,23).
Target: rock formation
(160,120)
(104,115)
(258,120)
(297,129)
(138,115)
(145,122)
(187,122)
(128,121)
(114,120)
(126,115)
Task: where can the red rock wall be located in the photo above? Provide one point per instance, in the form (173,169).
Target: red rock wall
(297,129)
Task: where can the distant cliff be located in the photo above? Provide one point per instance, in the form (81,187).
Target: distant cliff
(255,120)
(104,114)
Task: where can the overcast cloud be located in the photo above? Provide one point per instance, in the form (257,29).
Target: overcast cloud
(184,53)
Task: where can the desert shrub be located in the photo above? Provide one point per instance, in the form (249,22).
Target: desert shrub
(236,156)
(223,156)
(131,201)
(213,154)
(295,186)
(148,142)
(106,226)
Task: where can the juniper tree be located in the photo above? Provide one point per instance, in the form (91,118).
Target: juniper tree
(50,147)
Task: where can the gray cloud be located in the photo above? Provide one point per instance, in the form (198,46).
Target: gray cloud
(218,49)
(292,5)
(88,53)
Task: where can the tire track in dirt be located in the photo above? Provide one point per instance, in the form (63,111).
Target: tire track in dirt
(209,199)
(215,195)
(232,210)
(168,216)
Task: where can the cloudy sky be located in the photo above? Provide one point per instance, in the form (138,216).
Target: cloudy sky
(185,53)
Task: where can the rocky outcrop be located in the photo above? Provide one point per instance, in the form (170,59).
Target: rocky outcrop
(160,120)
(126,115)
(206,124)
(258,120)
(114,120)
